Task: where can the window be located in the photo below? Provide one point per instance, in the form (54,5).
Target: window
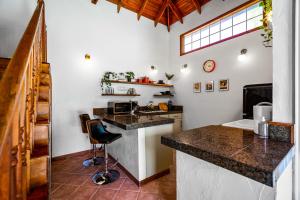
(239,21)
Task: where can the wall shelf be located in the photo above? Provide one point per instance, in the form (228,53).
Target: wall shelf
(163,96)
(147,84)
(122,95)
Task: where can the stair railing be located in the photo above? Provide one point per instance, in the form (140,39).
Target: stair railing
(18,103)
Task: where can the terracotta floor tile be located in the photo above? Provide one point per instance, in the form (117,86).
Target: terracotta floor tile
(152,187)
(104,194)
(83,193)
(54,186)
(64,192)
(58,178)
(129,185)
(70,180)
(126,195)
(76,179)
(148,196)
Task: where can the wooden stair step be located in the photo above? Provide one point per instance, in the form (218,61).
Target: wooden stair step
(41,134)
(44,93)
(45,68)
(40,151)
(3,64)
(43,110)
(45,79)
(39,162)
(39,193)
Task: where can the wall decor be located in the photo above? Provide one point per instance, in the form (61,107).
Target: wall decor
(197,87)
(224,84)
(209,66)
(209,86)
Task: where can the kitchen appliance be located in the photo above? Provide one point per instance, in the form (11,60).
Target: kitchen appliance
(115,108)
(261,111)
(253,95)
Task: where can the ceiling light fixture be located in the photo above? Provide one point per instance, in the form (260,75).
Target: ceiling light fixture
(184,68)
(87,57)
(153,69)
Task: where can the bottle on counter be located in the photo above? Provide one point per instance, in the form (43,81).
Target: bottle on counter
(263,128)
(170,105)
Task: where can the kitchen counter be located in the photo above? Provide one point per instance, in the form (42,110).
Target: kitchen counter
(238,150)
(130,122)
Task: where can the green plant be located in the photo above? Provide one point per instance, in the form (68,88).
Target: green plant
(129,76)
(267,23)
(106,79)
(169,76)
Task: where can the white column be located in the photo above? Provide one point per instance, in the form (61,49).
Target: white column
(282,61)
(297,101)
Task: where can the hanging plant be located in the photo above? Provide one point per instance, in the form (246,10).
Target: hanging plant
(106,79)
(267,23)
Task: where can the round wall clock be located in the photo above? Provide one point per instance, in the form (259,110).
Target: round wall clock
(209,66)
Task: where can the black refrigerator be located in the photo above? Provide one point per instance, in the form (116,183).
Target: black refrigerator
(254,94)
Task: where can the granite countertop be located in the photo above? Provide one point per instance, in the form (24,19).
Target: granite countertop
(130,122)
(237,150)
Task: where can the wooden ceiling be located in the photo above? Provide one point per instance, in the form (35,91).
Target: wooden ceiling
(166,12)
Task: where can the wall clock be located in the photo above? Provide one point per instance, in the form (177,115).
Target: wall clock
(209,66)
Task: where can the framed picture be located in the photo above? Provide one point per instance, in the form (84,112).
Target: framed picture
(197,87)
(209,86)
(224,84)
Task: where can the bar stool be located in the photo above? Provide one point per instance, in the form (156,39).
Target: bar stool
(98,133)
(95,160)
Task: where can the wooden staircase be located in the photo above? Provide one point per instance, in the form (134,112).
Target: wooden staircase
(25,115)
(40,161)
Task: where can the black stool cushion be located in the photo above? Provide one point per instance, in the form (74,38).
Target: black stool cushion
(102,135)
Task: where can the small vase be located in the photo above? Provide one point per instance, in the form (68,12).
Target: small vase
(169,82)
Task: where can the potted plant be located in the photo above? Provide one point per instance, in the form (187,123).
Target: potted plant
(267,23)
(129,76)
(121,76)
(106,79)
(169,77)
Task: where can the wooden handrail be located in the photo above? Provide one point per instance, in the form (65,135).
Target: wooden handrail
(18,100)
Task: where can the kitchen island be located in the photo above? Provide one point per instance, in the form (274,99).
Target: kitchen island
(223,163)
(139,151)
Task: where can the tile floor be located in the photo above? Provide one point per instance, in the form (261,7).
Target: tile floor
(72,181)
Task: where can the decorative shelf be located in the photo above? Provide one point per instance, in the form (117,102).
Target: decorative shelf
(149,84)
(124,95)
(163,95)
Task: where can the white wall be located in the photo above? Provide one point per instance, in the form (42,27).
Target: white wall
(217,107)
(14,17)
(116,42)
(198,179)
(283,61)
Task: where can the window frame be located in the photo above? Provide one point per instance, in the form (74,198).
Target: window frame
(211,22)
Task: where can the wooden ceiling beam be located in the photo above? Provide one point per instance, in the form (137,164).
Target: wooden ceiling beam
(197,5)
(168,19)
(161,11)
(119,5)
(94,1)
(142,9)
(176,11)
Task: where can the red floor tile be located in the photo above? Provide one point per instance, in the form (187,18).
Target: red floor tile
(63,192)
(126,195)
(148,196)
(70,180)
(129,185)
(104,194)
(83,193)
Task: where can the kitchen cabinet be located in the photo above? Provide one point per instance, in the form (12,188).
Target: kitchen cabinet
(177,121)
